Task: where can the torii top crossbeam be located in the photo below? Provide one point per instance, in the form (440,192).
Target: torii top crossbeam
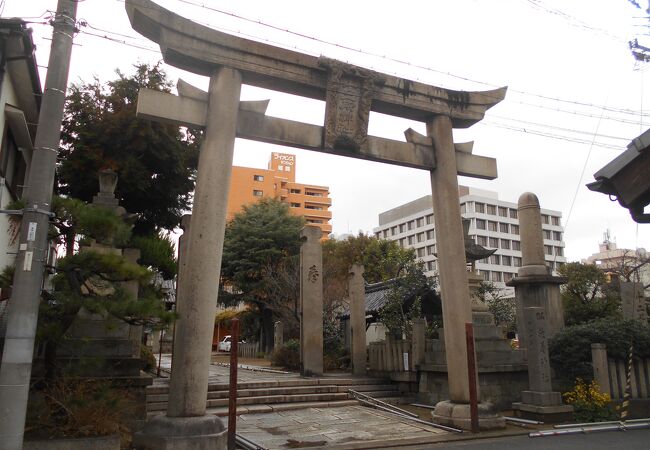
(199,49)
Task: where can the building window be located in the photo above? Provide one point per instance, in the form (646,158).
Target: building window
(257,193)
(410,224)
(496,276)
(492,210)
(315,221)
(503,227)
(503,212)
(505,243)
(294,191)
(258,177)
(514,229)
(314,194)
(402,241)
(480,207)
(420,237)
(393,230)
(420,252)
(545,219)
(297,205)
(559,251)
(463,208)
(317,208)
(513,213)
(429,219)
(506,260)
(420,222)
(402,228)
(516,261)
(430,265)
(385,234)
(481,240)
(431,249)
(507,276)
(557,236)
(494,242)
(492,226)
(429,234)
(547,234)
(480,223)
(495,259)
(410,240)
(516,245)
(555,221)
(548,249)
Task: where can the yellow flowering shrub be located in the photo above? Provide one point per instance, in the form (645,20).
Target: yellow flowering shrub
(589,403)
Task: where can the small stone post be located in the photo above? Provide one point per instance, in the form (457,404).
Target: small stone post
(311,302)
(357,296)
(534,285)
(278,335)
(599,363)
(418,341)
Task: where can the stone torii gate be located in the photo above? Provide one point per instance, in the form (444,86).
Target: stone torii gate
(350,93)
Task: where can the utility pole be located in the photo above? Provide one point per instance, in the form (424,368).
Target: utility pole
(16,367)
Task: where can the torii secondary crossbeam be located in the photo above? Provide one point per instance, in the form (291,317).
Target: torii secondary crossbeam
(350,93)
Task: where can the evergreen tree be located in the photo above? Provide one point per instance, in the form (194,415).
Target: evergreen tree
(156,162)
(257,242)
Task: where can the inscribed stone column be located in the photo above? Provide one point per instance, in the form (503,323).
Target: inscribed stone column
(600,365)
(311,302)
(456,309)
(357,296)
(183,251)
(534,285)
(198,292)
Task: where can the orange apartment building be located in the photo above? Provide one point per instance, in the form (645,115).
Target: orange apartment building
(248,185)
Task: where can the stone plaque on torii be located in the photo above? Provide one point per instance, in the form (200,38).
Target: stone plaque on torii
(350,93)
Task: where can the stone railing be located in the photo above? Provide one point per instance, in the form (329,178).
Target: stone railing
(248,350)
(390,356)
(611,374)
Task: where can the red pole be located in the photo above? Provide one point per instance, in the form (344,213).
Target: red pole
(232,403)
(471,371)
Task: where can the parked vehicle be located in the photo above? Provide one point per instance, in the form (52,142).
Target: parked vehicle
(224,345)
(226,342)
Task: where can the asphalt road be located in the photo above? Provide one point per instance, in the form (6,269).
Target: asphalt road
(612,440)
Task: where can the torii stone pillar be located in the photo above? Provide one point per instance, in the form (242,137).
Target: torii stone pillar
(357,297)
(456,304)
(311,302)
(186,420)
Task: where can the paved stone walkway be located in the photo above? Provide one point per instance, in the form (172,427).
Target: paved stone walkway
(332,428)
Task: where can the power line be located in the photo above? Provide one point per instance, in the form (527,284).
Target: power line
(403,62)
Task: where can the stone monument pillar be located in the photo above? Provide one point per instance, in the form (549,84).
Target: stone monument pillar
(186,424)
(311,302)
(357,296)
(539,317)
(534,285)
(540,402)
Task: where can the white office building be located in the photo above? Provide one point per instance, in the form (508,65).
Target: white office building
(494,224)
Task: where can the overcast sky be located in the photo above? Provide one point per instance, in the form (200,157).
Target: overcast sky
(575,96)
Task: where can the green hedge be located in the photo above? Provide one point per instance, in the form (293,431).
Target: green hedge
(570,350)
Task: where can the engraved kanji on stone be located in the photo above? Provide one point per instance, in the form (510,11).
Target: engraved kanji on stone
(313,274)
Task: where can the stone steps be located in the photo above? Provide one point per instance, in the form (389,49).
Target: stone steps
(282,394)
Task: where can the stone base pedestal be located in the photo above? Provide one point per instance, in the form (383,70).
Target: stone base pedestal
(546,414)
(182,433)
(457,415)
